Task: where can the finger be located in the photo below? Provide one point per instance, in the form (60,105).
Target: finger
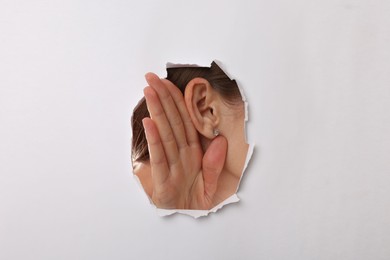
(191,133)
(158,161)
(158,116)
(212,164)
(169,106)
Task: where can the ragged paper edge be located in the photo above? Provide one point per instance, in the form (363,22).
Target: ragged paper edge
(233,198)
(246,119)
(171,65)
(197,213)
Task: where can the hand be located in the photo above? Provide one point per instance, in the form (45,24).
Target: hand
(183,176)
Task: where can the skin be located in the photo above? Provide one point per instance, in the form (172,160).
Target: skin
(189,168)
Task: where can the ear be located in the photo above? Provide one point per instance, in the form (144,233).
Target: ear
(201,103)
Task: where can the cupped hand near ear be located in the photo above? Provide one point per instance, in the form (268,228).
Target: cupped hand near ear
(183,176)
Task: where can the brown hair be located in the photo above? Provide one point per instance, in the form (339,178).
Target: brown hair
(180,76)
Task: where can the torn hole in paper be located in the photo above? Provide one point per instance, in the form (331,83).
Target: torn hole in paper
(189,148)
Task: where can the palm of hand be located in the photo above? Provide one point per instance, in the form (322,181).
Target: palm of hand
(180,187)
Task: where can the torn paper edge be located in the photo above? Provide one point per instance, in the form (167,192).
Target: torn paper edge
(233,198)
(197,213)
(171,65)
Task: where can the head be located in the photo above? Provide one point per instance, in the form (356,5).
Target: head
(213,101)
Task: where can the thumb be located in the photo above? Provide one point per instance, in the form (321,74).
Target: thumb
(212,164)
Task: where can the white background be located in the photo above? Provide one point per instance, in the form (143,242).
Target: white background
(317,78)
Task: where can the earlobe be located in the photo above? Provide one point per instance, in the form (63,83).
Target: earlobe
(200,100)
